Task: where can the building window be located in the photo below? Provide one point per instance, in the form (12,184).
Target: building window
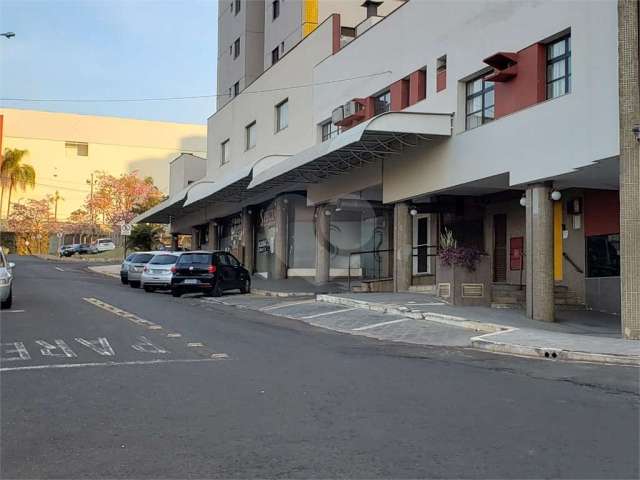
(250,134)
(603,256)
(224,152)
(275,55)
(480,102)
(559,67)
(328,131)
(237,6)
(275,9)
(281,48)
(76,149)
(382,103)
(441,73)
(236,48)
(282,115)
(236,89)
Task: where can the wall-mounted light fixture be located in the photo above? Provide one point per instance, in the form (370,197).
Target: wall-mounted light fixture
(327,212)
(413,212)
(523,201)
(556,195)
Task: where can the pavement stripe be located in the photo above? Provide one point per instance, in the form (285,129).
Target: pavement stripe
(122,313)
(13,311)
(376,325)
(59,269)
(214,357)
(287,304)
(328,313)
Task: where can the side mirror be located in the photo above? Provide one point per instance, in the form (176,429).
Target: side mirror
(12,265)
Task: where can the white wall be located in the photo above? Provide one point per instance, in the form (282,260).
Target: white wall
(548,139)
(185,169)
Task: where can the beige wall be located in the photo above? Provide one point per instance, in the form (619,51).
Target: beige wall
(116,145)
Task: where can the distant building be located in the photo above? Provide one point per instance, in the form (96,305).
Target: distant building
(66,148)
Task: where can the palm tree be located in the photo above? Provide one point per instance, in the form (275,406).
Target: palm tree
(16,174)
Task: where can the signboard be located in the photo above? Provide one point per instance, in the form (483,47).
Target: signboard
(59,234)
(263,246)
(125,229)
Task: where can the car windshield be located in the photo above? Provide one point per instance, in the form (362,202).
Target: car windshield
(163,260)
(202,258)
(129,257)
(142,257)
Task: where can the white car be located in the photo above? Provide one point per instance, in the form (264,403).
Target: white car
(6,281)
(104,245)
(157,272)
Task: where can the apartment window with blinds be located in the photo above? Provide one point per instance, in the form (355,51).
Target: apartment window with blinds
(383,103)
(559,68)
(76,149)
(282,115)
(480,102)
(328,131)
(275,9)
(236,48)
(224,152)
(250,136)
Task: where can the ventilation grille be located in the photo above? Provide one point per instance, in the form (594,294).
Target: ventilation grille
(473,290)
(444,290)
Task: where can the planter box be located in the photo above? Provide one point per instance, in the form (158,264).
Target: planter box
(458,286)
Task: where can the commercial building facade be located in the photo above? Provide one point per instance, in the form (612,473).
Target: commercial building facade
(497,124)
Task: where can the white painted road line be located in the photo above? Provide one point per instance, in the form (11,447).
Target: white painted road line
(122,313)
(13,311)
(214,357)
(195,344)
(376,325)
(286,304)
(59,269)
(328,313)
(430,304)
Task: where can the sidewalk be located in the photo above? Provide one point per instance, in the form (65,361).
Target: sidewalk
(293,287)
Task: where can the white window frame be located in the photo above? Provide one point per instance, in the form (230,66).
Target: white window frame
(248,137)
(279,116)
(224,152)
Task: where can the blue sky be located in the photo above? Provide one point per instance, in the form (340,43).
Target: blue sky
(111,49)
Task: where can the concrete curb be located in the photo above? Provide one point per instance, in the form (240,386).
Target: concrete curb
(55,258)
(272,293)
(101,271)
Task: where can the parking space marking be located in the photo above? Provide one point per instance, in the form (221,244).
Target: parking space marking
(376,325)
(286,304)
(213,358)
(59,269)
(13,311)
(329,313)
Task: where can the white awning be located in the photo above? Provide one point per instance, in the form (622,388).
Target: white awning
(384,135)
(209,189)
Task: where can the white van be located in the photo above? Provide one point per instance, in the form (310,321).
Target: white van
(104,245)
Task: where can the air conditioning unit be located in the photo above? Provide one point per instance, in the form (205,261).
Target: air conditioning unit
(337,115)
(350,108)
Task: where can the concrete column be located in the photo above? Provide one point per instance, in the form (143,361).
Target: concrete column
(280,247)
(248,239)
(174,242)
(213,235)
(539,253)
(194,239)
(323,245)
(629,107)
(402,247)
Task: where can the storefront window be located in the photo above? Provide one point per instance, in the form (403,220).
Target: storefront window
(603,256)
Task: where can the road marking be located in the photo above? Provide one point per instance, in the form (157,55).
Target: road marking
(286,304)
(328,313)
(122,313)
(174,335)
(59,269)
(13,311)
(376,325)
(195,344)
(100,346)
(411,304)
(145,345)
(218,356)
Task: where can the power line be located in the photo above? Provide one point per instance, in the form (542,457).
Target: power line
(191,97)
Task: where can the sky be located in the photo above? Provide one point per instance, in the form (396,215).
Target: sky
(111,49)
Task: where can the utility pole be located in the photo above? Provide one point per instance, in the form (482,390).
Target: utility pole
(91,215)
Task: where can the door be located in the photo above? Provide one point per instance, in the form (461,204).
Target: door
(226,272)
(238,270)
(500,248)
(421,240)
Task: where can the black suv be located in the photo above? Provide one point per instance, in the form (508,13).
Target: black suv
(209,272)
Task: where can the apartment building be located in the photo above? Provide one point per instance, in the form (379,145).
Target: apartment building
(496,123)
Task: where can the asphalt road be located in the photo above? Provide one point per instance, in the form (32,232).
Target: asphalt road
(126,384)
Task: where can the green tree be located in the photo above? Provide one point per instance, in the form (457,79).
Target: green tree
(15,174)
(144,236)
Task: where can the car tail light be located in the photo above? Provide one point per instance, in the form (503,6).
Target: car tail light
(173,269)
(212,269)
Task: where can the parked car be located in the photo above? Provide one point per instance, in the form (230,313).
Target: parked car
(124,269)
(6,281)
(67,250)
(210,273)
(83,248)
(136,265)
(157,273)
(104,245)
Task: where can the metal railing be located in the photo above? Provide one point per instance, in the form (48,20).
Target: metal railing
(573,264)
(375,269)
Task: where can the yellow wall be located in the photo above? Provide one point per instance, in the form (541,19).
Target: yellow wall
(116,145)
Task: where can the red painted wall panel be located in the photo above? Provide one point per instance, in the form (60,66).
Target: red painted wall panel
(417,86)
(601,212)
(399,95)
(441,80)
(336,33)
(528,87)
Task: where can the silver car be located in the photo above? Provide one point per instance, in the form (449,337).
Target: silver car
(6,281)
(157,273)
(124,268)
(136,265)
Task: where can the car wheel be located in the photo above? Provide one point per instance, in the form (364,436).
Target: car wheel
(246,287)
(7,303)
(149,289)
(216,291)
(134,284)
(124,280)
(175,292)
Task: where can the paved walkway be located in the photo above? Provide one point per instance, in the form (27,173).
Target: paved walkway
(295,286)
